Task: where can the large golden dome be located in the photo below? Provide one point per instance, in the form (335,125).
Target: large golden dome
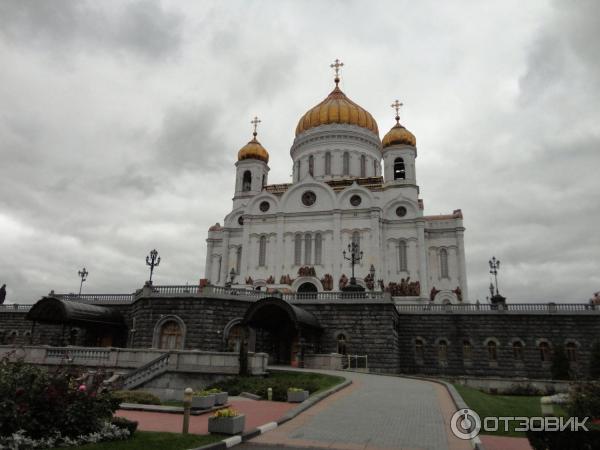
(337,108)
(253,150)
(399,135)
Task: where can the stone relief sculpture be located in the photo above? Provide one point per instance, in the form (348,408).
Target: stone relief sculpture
(343,281)
(327,282)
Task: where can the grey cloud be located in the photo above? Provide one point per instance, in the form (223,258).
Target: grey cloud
(141,28)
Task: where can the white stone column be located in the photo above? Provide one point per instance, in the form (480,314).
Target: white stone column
(376,247)
(336,249)
(462,271)
(208,263)
(225,260)
(245,253)
(280,255)
(423,275)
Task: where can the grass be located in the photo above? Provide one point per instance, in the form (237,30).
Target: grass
(149,440)
(489,405)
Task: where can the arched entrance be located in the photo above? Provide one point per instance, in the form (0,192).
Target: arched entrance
(283,330)
(307,287)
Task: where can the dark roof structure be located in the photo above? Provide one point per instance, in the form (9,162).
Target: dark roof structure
(272,312)
(61,311)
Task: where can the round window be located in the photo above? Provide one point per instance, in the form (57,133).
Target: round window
(355,200)
(400,211)
(241,220)
(264,206)
(309,198)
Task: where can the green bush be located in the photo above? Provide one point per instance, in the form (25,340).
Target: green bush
(560,364)
(584,400)
(595,361)
(564,440)
(138,397)
(42,403)
(126,424)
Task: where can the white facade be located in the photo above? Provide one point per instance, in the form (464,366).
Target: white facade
(271,232)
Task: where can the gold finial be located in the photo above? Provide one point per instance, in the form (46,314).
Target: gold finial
(397,105)
(255,122)
(336,66)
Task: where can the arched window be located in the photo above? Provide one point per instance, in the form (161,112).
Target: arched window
(311,165)
(247,181)
(341,344)
(298,171)
(571,350)
(399,170)
(346,163)
(492,351)
(73,335)
(356,240)
(298,249)
(363,166)
(264,180)
(328,163)
(318,248)
(419,349)
(238,260)
(171,336)
(467,349)
(444,263)
(544,352)
(307,248)
(262,251)
(402,263)
(443,351)
(12,337)
(374,167)
(517,351)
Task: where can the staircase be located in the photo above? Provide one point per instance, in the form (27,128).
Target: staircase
(146,372)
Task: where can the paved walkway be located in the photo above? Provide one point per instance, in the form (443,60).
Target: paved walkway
(257,413)
(375,412)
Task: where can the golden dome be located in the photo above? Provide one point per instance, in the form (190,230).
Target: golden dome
(337,108)
(254,150)
(399,135)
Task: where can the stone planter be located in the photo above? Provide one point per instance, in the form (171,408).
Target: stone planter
(226,425)
(205,402)
(221,398)
(297,397)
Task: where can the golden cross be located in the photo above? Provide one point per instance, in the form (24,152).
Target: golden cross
(396,105)
(336,66)
(255,122)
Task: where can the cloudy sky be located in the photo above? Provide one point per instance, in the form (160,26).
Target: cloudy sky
(120,123)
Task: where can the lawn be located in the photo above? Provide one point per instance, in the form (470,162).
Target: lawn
(488,405)
(148,440)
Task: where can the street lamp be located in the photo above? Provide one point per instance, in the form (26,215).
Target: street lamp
(83,275)
(494,267)
(372,273)
(354,258)
(153,260)
(232,275)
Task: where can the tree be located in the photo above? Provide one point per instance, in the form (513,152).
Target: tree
(595,361)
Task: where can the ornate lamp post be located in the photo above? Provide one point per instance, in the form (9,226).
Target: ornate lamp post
(496,298)
(355,256)
(83,275)
(232,275)
(153,260)
(494,267)
(372,273)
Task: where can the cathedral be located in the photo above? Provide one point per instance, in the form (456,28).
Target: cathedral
(349,187)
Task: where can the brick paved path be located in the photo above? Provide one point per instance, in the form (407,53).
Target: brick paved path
(375,412)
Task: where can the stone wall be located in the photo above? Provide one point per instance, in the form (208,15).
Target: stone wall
(503,328)
(14,329)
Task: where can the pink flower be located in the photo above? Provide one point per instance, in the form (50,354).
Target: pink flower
(82,388)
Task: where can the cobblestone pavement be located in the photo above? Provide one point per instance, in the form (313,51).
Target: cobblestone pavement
(375,412)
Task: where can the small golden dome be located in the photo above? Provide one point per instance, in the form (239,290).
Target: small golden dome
(254,150)
(337,108)
(399,135)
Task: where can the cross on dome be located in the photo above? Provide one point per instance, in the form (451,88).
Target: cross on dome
(336,66)
(397,105)
(255,122)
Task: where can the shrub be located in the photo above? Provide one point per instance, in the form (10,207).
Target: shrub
(138,397)
(519,389)
(560,364)
(595,361)
(125,424)
(43,404)
(584,400)
(226,412)
(564,440)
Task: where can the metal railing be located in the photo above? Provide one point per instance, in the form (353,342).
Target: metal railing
(510,308)
(356,362)
(15,307)
(106,299)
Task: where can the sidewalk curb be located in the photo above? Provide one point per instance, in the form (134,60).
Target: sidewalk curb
(246,436)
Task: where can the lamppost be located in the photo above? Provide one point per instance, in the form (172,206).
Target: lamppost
(355,256)
(372,273)
(153,260)
(494,267)
(232,275)
(83,275)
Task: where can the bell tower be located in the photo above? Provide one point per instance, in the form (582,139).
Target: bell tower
(399,153)
(252,168)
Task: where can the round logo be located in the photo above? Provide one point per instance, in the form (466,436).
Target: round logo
(465,424)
